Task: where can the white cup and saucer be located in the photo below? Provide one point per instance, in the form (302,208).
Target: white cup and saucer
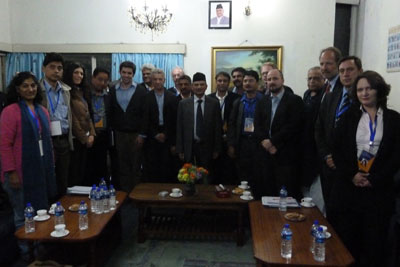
(246,196)
(176,193)
(325,230)
(52,208)
(41,216)
(59,231)
(307,202)
(244,185)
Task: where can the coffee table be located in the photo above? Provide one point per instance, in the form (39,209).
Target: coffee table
(145,196)
(97,223)
(266,225)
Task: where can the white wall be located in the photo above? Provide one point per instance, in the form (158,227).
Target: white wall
(375,19)
(5,39)
(303,28)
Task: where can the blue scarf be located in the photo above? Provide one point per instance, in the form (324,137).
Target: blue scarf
(39,183)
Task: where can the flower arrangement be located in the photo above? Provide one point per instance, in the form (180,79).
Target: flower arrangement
(189,173)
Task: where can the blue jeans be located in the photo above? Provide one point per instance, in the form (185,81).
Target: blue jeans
(16,197)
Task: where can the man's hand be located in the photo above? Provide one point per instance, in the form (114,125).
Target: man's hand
(329,162)
(14,180)
(231,151)
(361,179)
(139,141)
(266,143)
(215,155)
(173,150)
(160,137)
(90,141)
(272,150)
(181,156)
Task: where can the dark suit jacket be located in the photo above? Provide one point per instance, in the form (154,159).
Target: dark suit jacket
(235,124)
(383,169)
(173,90)
(144,85)
(230,98)
(151,113)
(185,125)
(285,128)
(131,119)
(326,121)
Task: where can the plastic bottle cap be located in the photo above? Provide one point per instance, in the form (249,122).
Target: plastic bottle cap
(58,203)
(82,202)
(316,222)
(29,204)
(320,229)
(287,225)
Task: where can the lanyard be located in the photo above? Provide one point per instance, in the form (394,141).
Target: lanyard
(35,118)
(372,130)
(98,103)
(53,109)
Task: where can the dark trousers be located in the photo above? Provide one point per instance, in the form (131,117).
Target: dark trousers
(223,168)
(201,157)
(158,167)
(77,170)
(62,162)
(327,181)
(245,165)
(97,164)
(128,155)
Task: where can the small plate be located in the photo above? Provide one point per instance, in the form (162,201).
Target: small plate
(42,218)
(295,216)
(55,234)
(328,235)
(73,207)
(245,198)
(176,196)
(307,206)
(244,187)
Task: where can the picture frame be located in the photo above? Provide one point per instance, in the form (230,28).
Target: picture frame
(220,14)
(249,57)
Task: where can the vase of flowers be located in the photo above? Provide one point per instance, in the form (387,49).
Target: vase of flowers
(189,174)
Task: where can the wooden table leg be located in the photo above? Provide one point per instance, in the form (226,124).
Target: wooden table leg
(240,229)
(141,234)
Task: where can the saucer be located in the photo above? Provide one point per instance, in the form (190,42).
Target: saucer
(307,206)
(245,198)
(41,218)
(244,187)
(327,235)
(176,196)
(55,234)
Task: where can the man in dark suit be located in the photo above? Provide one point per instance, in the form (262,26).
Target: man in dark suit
(159,126)
(278,121)
(329,63)
(242,144)
(184,84)
(198,133)
(265,68)
(333,106)
(176,73)
(126,114)
(222,166)
(237,80)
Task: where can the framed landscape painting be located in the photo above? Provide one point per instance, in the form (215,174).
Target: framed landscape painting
(248,57)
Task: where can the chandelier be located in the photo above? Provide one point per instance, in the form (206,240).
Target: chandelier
(155,20)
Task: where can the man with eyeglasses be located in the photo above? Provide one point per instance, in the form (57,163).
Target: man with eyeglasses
(56,98)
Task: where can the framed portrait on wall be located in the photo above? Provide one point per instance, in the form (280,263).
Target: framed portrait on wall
(220,14)
(248,57)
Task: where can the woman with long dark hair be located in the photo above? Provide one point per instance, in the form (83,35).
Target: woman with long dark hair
(82,125)
(26,148)
(367,158)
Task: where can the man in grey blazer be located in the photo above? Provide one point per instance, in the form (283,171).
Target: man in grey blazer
(220,19)
(199,128)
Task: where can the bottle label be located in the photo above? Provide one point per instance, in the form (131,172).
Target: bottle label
(28,214)
(83,212)
(286,237)
(59,213)
(320,240)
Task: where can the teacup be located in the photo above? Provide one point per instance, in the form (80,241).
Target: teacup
(246,194)
(307,201)
(244,184)
(41,213)
(60,228)
(176,191)
(324,228)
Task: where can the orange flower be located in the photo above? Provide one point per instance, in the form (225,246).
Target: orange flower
(187,165)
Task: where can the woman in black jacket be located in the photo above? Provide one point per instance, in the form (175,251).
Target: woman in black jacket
(367,156)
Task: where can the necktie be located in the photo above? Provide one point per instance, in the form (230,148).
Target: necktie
(199,120)
(328,87)
(345,103)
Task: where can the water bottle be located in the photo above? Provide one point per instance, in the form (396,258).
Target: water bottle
(99,201)
(113,202)
(106,200)
(319,250)
(286,242)
(29,221)
(102,182)
(93,199)
(83,216)
(314,230)
(59,214)
(282,199)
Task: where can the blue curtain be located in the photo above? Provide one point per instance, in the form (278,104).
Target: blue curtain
(17,62)
(166,62)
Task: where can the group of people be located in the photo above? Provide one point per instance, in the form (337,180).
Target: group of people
(60,132)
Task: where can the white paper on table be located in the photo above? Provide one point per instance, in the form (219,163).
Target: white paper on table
(274,202)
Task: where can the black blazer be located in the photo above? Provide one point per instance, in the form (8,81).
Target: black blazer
(285,128)
(131,120)
(185,126)
(230,98)
(235,124)
(326,121)
(151,113)
(383,169)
